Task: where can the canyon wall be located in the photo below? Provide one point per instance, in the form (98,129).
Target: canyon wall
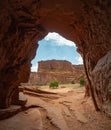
(86,22)
(54,66)
(63,71)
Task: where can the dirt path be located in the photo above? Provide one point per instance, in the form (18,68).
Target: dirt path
(67,110)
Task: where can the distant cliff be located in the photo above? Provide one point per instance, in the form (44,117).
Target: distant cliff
(63,71)
(54,66)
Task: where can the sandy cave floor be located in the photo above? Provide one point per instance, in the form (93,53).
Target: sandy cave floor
(66,110)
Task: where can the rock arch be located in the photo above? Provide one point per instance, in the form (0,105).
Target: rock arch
(24,23)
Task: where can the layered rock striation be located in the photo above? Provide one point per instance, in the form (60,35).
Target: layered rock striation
(24,23)
(55,66)
(63,71)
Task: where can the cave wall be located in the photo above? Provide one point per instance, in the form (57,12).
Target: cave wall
(19,33)
(101,78)
(24,23)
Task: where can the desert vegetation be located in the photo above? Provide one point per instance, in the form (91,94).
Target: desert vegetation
(54,84)
(82,82)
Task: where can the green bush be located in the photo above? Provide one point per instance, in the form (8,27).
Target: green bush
(72,82)
(82,82)
(54,84)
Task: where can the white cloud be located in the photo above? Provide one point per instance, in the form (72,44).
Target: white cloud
(34,68)
(79,60)
(58,39)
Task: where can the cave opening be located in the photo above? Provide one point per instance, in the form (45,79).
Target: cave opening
(56,59)
(54,46)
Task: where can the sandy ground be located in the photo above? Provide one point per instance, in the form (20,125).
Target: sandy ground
(66,110)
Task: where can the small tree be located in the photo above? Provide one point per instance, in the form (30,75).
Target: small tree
(54,84)
(82,82)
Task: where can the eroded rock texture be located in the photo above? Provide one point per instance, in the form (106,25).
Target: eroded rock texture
(23,23)
(101,77)
(63,71)
(54,66)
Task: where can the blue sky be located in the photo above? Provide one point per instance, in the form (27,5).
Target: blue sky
(54,46)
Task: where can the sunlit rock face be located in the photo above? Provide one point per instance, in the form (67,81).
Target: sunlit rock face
(55,66)
(60,70)
(23,23)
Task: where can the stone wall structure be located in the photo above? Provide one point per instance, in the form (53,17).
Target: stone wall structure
(86,22)
(60,70)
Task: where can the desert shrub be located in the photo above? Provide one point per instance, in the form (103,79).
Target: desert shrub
(72,82)
(82,82)
(54,84)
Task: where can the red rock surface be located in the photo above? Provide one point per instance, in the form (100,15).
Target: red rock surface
(23,23)
(55,66)
(63,71)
